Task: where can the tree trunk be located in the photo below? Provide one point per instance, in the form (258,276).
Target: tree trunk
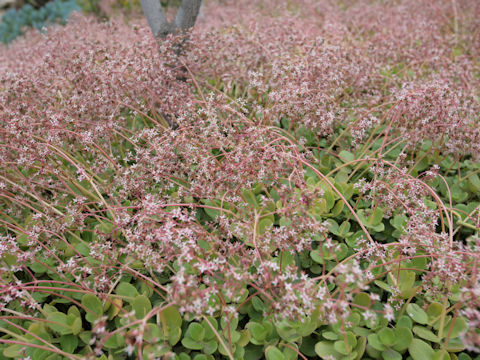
(185,19)
(186,16)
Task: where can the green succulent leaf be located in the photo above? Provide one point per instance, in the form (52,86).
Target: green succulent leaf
(420,350)
(258,331)
(207,326)
(441,355)
(189,343)
(390,354)
(244,339)
(434,310)
(12,351)
(172,317)
(405,321)
(152,332)
(195,331)
(253,352)
(373,220)
(141,304)
(406,280)
(387,337)
(289,352)
(85,336)
(75,322)
(455,345)
(374,341)
(58,322)
(287,333)
(317,256)
(344,229)
(417,314)
(273,353)
(210,347)
(258,304)
(115,341)
(403,337)
(127,290)
(361,346)
(330,335)
(362,299)
(425,333)
(200,357)
(459,327)
(94,307)
(346,156)
(326,350)
(337,210)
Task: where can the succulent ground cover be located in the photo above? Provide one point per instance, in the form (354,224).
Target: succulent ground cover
(300,181)
(14,22)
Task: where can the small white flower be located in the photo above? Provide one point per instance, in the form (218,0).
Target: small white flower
(389,312)
(129,349)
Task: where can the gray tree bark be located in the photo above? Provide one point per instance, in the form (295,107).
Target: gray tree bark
(186,16)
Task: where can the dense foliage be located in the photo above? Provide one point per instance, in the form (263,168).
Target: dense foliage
(15,22)
(262,193)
